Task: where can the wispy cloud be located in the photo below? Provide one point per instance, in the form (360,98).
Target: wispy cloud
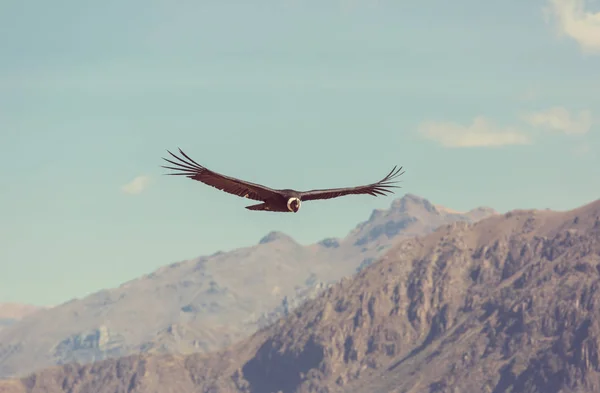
(560,119)
(480,133)
(574,21)
(136,186)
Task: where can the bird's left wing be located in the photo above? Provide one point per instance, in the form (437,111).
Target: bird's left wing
(191,169)
(380,188)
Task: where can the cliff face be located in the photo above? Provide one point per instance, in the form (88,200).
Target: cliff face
(211,302)
(506,304)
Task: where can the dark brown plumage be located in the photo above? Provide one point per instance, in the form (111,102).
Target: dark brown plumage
(286,200)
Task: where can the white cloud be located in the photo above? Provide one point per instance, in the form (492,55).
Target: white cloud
(480,133)
(136,186)
(575,22)
(560,119)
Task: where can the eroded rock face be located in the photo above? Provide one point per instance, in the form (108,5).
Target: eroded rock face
(89,346)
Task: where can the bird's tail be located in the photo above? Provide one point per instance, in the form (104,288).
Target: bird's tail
(260,206)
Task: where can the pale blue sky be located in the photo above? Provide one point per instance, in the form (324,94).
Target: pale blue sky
(299,94)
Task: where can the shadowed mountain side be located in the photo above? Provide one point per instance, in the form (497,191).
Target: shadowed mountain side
(508,304)
(208,303)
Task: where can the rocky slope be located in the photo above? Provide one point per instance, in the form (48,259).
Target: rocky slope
(210,302)
(508,304)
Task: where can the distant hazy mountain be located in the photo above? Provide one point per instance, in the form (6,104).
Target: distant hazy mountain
(508,304)
(11,313)
(210,302)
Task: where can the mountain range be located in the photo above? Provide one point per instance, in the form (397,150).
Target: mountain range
(505,304)
(211,302)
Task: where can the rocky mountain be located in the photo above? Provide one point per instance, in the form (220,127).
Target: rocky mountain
(507,304)
(208,303)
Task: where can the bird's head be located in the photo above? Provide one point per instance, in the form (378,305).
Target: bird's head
(293,204)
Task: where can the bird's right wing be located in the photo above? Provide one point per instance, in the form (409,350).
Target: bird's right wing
(191,169)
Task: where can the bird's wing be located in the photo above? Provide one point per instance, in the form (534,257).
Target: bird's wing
(380,188)
(191,169)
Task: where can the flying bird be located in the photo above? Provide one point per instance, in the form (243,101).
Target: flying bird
(271,199)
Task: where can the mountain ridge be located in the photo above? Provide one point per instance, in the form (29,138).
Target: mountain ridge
(504,304)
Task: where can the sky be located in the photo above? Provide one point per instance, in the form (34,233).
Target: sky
(483,104)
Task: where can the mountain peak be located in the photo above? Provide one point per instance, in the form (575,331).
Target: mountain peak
(274,236)
(480,212)
(412,201)
(408,204)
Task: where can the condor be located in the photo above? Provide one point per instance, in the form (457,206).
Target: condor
(272,200)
